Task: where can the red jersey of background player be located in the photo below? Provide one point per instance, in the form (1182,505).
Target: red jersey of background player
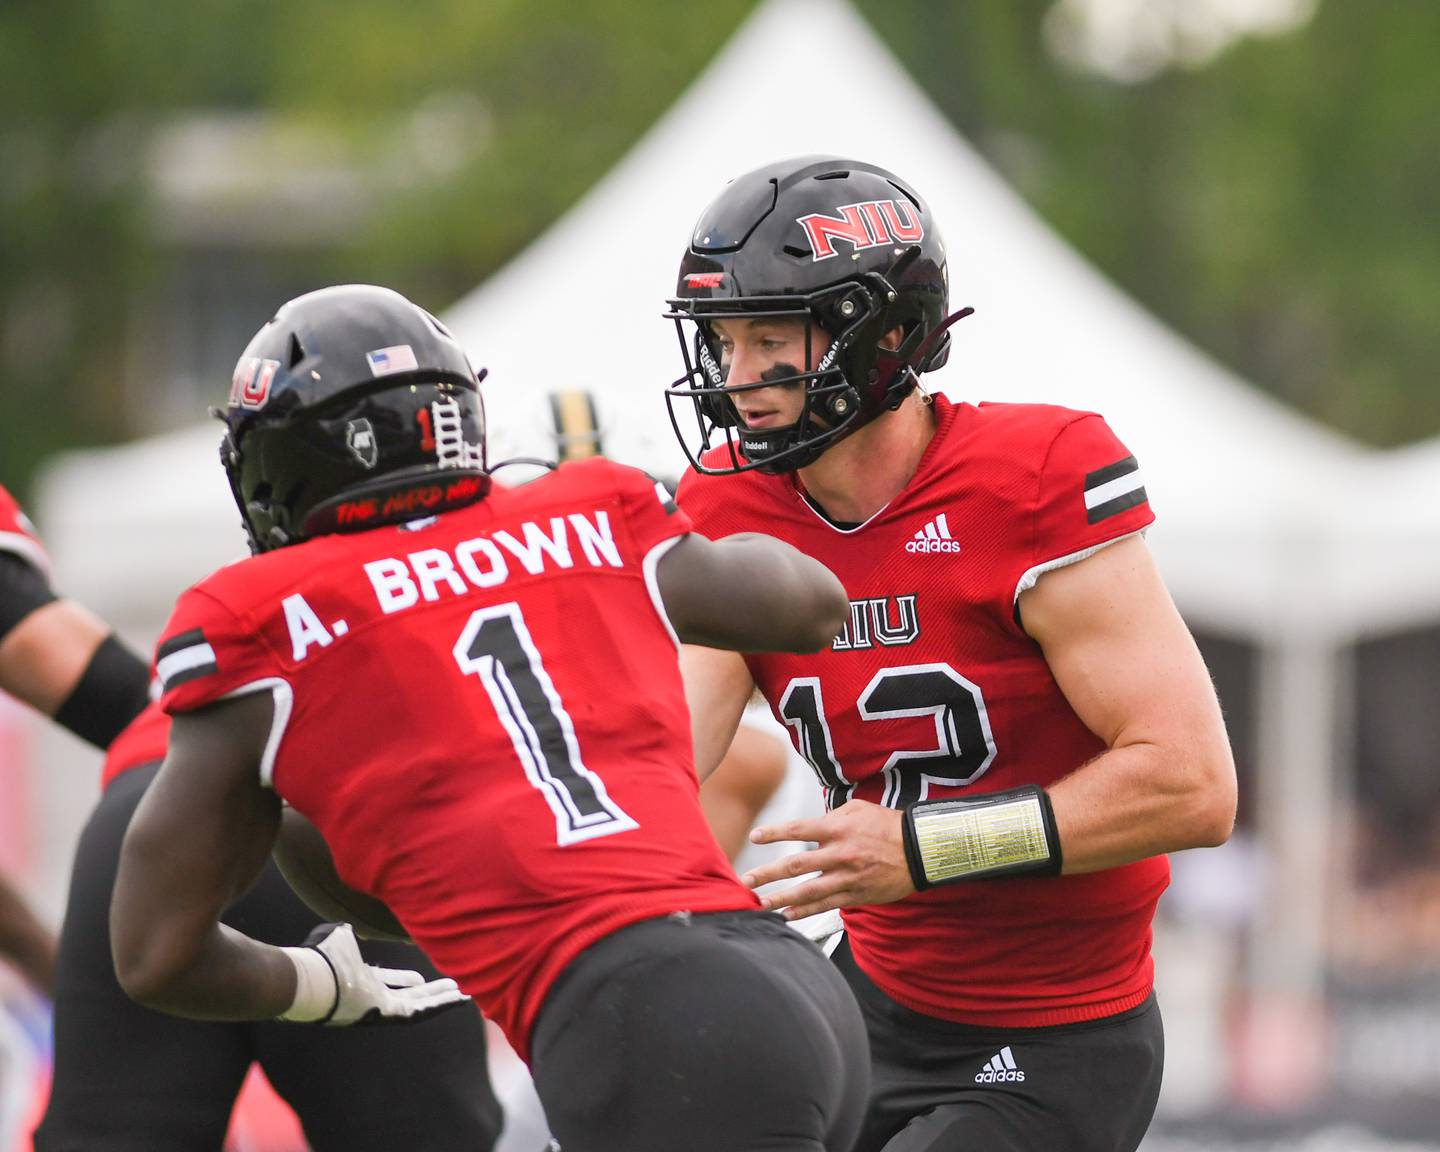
(933,688)
(17,534)
(143,742)
(483,715)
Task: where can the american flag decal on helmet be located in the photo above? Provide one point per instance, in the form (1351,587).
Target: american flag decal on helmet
(184,657)
(1112,489)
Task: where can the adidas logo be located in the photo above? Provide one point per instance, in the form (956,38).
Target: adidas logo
(1001,1068)
(934,537)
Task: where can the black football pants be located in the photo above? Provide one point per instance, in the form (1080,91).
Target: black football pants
(722,1032)
(129,1079)
(944,1087)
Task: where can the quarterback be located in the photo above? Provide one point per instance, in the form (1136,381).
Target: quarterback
(1012,727)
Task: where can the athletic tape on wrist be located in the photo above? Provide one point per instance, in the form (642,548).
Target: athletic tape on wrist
(317,987)
(994,834)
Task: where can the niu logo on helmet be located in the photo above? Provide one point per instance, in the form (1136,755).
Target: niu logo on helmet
(863,225)
(250,384)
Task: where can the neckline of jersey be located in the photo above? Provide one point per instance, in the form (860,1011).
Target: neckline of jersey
(945,419)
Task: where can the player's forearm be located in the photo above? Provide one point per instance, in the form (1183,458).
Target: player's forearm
(224,975)
(1140,800)
(24,940)
(717,685)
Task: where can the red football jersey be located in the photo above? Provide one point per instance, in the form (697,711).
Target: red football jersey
(17,534)
(143,741)
(483,715)
(933,689)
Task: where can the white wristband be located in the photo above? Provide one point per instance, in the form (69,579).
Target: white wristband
(317,991)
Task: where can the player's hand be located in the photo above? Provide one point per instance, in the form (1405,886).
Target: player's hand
(366,993)
(860,858)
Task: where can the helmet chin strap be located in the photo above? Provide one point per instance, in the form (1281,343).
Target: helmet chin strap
(780,450)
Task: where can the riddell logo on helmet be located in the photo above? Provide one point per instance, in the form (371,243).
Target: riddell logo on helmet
(863,225)
(705,279)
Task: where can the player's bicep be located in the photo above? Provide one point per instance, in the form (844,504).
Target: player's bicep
(201,835)
(1119,650)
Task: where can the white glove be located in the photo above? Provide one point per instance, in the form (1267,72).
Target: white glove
(334,985)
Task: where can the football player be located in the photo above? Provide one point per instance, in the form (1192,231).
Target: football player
(127,1078)
(1013,699)
(474,695)
(63,661)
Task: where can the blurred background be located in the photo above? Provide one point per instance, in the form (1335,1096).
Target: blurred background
(1214,221)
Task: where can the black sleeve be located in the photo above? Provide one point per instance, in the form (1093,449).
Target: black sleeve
(114,690)
(23,588)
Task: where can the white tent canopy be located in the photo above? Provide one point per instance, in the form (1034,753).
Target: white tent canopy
(1226,467)
(1230,472)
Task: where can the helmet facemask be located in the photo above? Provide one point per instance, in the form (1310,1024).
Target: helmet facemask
(856,314)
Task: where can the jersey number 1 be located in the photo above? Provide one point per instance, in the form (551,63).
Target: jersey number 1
(496,646)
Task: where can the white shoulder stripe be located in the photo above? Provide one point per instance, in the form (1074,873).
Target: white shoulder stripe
(1103,494)
(183,661)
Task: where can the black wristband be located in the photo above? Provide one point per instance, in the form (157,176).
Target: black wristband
(989,836)
(23,588)
(113,690)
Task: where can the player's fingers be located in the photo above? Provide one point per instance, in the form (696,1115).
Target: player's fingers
(790,830)
(786,868)
(435,994)
(800,895)
(399,977)
(830,903)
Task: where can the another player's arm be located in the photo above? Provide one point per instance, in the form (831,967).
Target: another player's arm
(1128,666)
(61,659)
(197,841)
(745,593)
(24,940)
(745,781)
(717,686)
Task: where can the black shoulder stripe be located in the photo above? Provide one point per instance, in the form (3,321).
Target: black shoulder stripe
(183,658)
(188,674)
(1116,506)
(1113,489)
(665,493)
(182,640)
(1110,472)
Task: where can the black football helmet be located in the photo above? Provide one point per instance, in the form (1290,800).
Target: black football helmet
(840,244)
(351,408)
